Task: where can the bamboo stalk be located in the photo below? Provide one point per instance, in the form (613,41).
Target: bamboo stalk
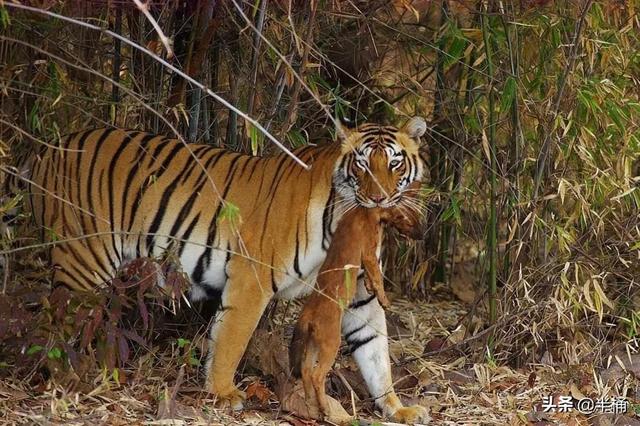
(234,61)
(443,168)
(517,138)
(544,151)
(257,42)
(211,120)
(112,109)
(492,228)
(292,112)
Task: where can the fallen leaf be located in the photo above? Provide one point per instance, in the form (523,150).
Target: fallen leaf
(434,345)
(575,392)
(259,391)
(531,381)
(296,403)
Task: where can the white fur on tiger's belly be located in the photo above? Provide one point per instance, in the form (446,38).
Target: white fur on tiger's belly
(213,277)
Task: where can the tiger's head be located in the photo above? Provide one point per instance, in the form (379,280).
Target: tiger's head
(379,162)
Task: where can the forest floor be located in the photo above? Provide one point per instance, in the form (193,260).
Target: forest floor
(162,384)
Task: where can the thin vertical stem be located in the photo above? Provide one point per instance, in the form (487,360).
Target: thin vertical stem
(212,121)
(492,231)
(117,47)
(516,135)
(194,114)
(257,41)
(573,53)
(438,159)
(292,112)
(235,59)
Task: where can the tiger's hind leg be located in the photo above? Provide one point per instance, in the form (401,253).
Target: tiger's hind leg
(244,298)
(75,269)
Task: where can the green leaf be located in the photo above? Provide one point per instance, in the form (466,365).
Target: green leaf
(183,342)
(455,44)
(472,123)
(556,38)
(257,139)
(455,51)
(230,212)
(634,142)
(296,138)
(54,353)
(34,349)
(51,234)
(33,118)
(318,79)
(617,115)
(55,84)
(348,285)
(453,211)
(508,94)
(193,361)
(5,21)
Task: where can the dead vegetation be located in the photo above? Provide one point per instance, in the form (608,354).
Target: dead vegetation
(533,109)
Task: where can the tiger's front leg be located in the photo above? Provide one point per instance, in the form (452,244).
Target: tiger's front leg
(244,298)
(365,329)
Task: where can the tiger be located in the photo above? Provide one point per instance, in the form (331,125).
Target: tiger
(244,229)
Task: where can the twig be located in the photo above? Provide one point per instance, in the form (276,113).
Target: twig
(6,274)
(169,66)
(144,8)
(344,381)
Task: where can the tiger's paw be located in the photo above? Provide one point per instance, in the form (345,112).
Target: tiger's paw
(233,399)
(411,415)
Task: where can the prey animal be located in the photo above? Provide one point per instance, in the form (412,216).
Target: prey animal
(316,337)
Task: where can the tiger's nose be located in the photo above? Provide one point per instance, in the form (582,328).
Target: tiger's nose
(377,198)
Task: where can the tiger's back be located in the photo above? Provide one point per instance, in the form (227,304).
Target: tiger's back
(111,195)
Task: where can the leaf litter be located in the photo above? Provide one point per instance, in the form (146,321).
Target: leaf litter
(438,362)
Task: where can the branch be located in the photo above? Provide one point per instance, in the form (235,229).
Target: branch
(168,65)
(144,8)
(285,62)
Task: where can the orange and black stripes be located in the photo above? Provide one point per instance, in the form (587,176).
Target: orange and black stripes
(114,195)
(138,192)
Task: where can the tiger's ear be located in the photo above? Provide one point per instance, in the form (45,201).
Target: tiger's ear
(415,127)
(344,129)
